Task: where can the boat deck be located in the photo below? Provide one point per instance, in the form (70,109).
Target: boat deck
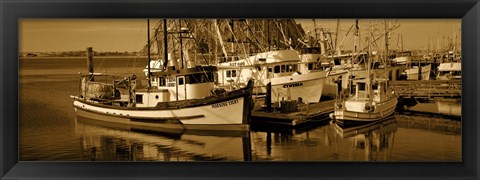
(315,112)
(428,88)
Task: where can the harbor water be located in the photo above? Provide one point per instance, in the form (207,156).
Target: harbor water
(50,131)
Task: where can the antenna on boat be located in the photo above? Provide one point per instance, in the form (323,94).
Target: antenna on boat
(148,52)
(165,43)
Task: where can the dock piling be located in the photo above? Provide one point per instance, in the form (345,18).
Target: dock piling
(90,63)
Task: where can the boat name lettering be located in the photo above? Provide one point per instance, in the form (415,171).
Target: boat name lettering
(292,85)
(223,104)
(237,64)
(171,79)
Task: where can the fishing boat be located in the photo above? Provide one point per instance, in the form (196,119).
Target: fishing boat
(281,69)
(404,57)
(366,99)
(179,98)
(449,71)
(371,100)
(412,73)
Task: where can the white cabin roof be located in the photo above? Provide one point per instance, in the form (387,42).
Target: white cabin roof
(450,67)
(266,58)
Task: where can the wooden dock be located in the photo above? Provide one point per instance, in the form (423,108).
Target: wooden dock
(428,88)
(315,112)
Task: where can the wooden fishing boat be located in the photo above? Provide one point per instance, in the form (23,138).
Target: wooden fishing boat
(412,73)
(370,101)
(178,105)
(449,71)
(183,98)
(281,68)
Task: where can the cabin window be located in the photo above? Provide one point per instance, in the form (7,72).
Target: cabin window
(180,81)
(200,78)
(161,81)
(139,98)
(361,86)
(270,69)
(276,69)
(229,73)
(283,69)
(310,66)
(337,61)
(234,73)
(295,67)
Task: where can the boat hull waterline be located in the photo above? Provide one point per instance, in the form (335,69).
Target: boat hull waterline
(306,86)
(384,110)
(224,116)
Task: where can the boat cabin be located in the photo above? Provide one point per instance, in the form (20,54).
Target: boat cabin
(451,70)
(262,66)
(175,85)
(377,90)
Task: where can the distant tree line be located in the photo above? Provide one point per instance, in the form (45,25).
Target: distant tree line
(77,54)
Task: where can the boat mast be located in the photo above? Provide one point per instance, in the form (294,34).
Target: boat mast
(355,40)
(315,30)
(165,43)
(386,43)
(220,39)
(148,51)
(268,34)
(181,44)
(369,84)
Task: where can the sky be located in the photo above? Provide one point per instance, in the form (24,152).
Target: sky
(45,35)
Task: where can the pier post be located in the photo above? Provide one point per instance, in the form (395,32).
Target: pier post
(419,70)
(268,98)
(90,62)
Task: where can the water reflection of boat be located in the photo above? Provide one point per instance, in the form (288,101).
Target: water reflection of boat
(374,138)
(449,107)
(430,124)
(107,141)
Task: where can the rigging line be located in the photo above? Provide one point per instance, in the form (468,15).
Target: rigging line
(136,44)
(390,29)
(255,37)
(298,31)
(104,58)
(203,69)
(196,42)
(243,47)
(285,41)
(262,31)
(236,40)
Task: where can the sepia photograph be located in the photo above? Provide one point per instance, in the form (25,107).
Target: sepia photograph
(294,90)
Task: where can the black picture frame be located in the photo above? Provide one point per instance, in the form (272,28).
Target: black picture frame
(11,11)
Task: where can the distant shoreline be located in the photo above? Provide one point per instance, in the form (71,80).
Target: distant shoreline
(81,57)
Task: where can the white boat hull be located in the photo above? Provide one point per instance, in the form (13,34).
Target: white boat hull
(381,111)
(226,115)
(309,87)
(412,73)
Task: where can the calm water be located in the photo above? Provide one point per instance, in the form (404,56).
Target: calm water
(50,131)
